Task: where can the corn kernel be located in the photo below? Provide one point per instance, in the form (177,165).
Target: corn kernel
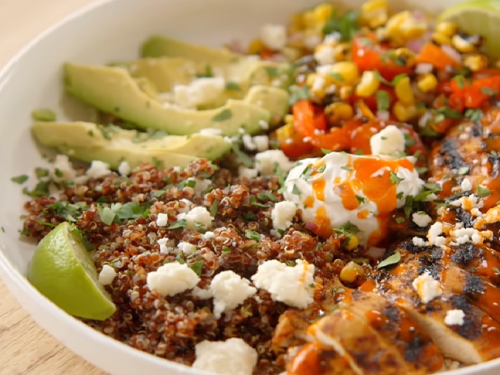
(352,243)
(368,85)
(322,13)
(324,54)
(347,70)
(427,82)
(404,26)
(374,13)
(461,44)
(364,110)
(350,272)
(404,112)
(255,47)
(404,91)
(447,28)
(289,119)
(342,51)
(309,20)
(381,34)
(475,62)
(285,132)
(345,92)
(407,56)
(441,38)
(337,112)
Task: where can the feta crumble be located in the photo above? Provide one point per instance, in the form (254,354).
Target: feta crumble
(427,288)
(208,235)
(417,241)
(466,185)
(454,317)
(267,161)
(389,141)
(172,278)
(210,131)
(167,245)
(261,142)
(264,124)
(201,92)
(162,220)
(282,215)
(63,169)
(197,218)
(98,169)
(248,173)
(201,293)
(421,219)
(291,285)
(434,231)
(229,290)
(107,275)
(201,184)
(325,55)
(231,357)
(124,168)
(274,37)
(186,247)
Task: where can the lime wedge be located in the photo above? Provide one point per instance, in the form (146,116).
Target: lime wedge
(63,271)
(478,17)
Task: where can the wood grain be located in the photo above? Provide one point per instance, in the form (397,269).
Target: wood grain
(26,349)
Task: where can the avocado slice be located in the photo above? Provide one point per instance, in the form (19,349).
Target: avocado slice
(113,90)
(160,46)
(111,144)
(273,99)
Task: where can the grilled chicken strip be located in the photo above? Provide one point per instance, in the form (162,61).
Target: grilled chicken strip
(470,150)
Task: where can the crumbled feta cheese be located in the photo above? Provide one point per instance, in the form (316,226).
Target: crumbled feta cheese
(421,219)
(389,141)
(261,142)
(466,185)
(434,231)
(210,131)
(248,173)
(248,142)
(231,357)
(98,169)
(63,170)
(201,184)
(187,205)
(186,247)
(476,212)
(172,278)
(201,293)
(454,317)
(162,220)
(311,41)
(124,168)
(267,161)
(201,92)
(417,241)
(467,203)
(208,235)
(264,124)
(167,245)
(318,84)
(291,285)
(427,288)
(229,290)
(439,241)
(282,214)
(275,233)
(274,37)
(332,38)
(197,218)
(107,275)
(324,55)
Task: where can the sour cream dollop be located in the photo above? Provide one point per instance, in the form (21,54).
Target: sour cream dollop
(362,190)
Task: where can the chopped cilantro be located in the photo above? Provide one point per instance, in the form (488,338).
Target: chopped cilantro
(383,100)
(489,91)
(459,79)
(41,190)
(298,93)
(179,224)
(360,199)
(346,167)
(346,25)
(348,229)
(483,192)
(214,208)
(41,172)
(243,158)
(463,170)
(295,190)
(392,260)
(233,86)
(394,178)
(449,113)
(197,266)
(226,250)
(20,179)
(325,151)
(252,235)
(473,114)
(496,270)
(400,220)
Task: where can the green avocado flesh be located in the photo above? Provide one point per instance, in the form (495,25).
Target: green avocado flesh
(111,144)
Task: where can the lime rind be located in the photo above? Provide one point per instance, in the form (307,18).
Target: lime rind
(63,271)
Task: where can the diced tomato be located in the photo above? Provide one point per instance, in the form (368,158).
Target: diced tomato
(306,122)
(486,73)
(476,92)
(295,147)
(432,54)
(367,55)
(334,140)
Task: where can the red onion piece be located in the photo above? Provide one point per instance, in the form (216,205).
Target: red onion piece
(451,52)
(312,227)
(375,252)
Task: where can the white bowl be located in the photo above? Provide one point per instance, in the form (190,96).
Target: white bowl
(109,31)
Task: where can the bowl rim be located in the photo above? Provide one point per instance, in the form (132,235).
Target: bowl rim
(16,282)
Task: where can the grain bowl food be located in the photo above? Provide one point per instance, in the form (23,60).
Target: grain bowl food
(321,202)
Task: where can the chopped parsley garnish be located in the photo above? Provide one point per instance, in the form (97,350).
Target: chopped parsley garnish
(179,224)
(41,172)
(474,114)
(43,114)
(253,202)
(158,193)
(383,100)
(226,250)
(41,190)
(157,163)
(489,91)
(346,25)
(347,168)
(449,113)
(295,190)
(348,229)
(224,115)
(83,238)
(394,178)
(400,220)
(483,192)
(320,169)
(242,157)
(106,214)
(252,235)
(360,199)
(325,151)
(267,195)
(197,266)
(496,270)
(392,260)
(298,93)
(459,79)
(233,86)
(20,179)
(214,208)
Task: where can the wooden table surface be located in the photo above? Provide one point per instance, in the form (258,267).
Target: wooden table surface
(25,349)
